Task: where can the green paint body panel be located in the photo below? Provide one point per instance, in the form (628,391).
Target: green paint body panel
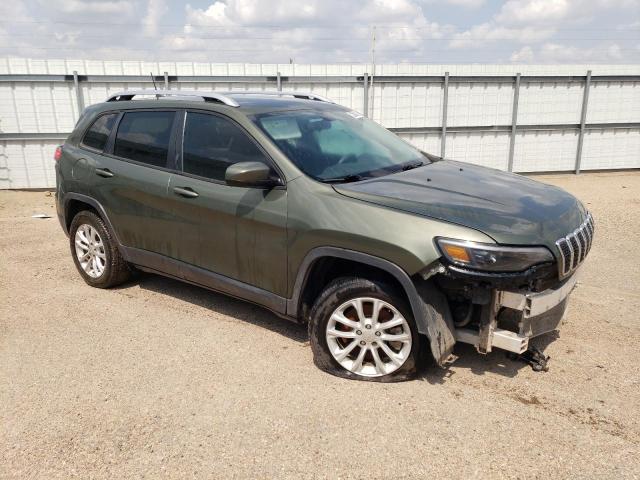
(319,216)
(510,208)
(261,236)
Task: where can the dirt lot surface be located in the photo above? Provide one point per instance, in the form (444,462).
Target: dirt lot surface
(158,379)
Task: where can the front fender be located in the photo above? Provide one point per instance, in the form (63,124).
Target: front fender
(428,305)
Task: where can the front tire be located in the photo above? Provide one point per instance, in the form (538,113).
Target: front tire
(95,252)
(364,330)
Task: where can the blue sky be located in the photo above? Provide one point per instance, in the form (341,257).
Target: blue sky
(325,31)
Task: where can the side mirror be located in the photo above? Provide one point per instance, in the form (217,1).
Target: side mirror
(250,174)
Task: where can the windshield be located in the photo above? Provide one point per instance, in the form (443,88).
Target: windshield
(338,146)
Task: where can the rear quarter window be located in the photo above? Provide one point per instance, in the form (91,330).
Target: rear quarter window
(144,137)
(98,134)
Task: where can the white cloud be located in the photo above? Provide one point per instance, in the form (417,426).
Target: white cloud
(629,26)
(553,52)
(540,11)
(467,3)
(458,3)
(323,31)
(488,32)
(93,6)
(527,21)
(524,55)
(558,53)
(290,13)
(312,31)
(534,11)
(156,10)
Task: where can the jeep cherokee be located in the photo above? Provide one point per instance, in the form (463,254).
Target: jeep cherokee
(322,216)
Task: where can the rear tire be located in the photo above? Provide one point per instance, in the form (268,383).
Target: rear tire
(95,252)
(364,330)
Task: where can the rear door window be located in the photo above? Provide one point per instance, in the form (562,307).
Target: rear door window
(144,137)
(97,136)
(212,143)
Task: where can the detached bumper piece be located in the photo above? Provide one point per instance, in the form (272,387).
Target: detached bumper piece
(512,318)
(534,357)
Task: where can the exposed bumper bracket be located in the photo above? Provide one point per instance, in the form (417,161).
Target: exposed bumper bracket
(534,304)
(504,339)
(533,307)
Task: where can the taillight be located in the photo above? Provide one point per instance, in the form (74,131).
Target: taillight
(58,154)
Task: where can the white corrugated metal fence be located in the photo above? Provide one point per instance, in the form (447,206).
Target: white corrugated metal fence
(489,110)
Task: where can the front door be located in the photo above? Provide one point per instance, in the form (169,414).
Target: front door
(241,232)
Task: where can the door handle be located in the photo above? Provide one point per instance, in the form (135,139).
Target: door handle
(185,192)
(104,172)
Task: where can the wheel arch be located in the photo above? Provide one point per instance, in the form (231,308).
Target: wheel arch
(322,256)
(428,304)
(76,202)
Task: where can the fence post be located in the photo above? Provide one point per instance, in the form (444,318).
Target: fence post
(514,121)
(583,119)
(166,80)
(445,101)
(365,101)
(279,82)
(79,99)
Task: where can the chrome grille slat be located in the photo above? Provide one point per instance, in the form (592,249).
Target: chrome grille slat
(582,238)
(591,230)
(562,246)
(573,241)
(573,248)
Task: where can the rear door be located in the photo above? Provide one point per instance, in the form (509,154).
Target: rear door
(241,231)
(131,178)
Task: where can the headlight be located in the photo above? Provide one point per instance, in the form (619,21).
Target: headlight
(491,257)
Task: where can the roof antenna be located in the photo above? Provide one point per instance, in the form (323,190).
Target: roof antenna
(155,87)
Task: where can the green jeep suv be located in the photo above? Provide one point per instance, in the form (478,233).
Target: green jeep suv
(322,216)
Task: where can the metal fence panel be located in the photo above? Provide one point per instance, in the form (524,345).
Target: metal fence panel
(27,164)
(427,142)
(548,128)
(399,105)
(488,149)
(612,102)
(554,103)
(606,149)
(545,151)
(97,92)
(475,104)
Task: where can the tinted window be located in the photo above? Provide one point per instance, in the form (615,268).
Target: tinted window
(96,137)
(144,137)
(212,143)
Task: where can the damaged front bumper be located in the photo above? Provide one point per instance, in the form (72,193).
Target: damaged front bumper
(511,318)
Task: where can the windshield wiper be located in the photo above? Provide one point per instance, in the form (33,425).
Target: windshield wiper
(411,165)
(345,179)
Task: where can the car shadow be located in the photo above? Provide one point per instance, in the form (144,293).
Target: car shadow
(497,362)
(219,303)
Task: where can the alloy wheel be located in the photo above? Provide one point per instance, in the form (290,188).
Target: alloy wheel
(90,250)
(369,337)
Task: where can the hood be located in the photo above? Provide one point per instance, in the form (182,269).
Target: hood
(511,209)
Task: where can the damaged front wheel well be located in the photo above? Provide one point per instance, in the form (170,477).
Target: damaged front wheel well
(428,304)
(326,269)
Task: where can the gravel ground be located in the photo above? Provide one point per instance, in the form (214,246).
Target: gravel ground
(158,379)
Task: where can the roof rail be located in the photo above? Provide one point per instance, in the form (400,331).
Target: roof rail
(206,96)
(307,95)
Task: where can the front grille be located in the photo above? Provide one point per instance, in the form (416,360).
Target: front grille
(574,247)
